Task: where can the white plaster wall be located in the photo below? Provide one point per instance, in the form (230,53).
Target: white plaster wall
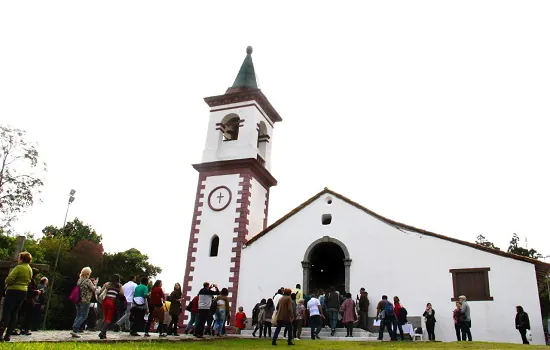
(388,261)
(257,206)
(246,144)
(222,223)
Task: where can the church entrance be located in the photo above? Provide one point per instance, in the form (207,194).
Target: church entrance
(327,267)
(326,263)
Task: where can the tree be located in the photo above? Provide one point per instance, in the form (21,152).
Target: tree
(74,231)
(481,240)
(85,253)
(20,174)
(516,249)
(128,263)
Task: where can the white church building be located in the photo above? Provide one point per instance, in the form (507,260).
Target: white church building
(330,240)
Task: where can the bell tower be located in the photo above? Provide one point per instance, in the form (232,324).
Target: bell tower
(232,197)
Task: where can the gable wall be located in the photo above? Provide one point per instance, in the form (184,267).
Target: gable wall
(386,260)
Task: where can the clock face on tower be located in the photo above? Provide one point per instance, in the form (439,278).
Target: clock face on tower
(219,198)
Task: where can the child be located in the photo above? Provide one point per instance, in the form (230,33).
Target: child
(300,315)
(240,320)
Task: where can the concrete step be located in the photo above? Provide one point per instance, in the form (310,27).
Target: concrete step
(325,333)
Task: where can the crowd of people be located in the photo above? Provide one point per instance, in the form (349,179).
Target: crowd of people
(136,307)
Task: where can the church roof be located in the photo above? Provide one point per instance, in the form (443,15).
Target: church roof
(245,88)
(246,78)
(541,268)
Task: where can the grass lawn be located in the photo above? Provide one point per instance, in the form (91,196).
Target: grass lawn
(259,344)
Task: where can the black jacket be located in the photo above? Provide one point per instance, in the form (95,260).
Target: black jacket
(522,321)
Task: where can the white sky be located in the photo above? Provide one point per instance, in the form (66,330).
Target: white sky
(431,113)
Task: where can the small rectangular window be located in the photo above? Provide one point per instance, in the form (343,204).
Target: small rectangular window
(326,219)
(472,283)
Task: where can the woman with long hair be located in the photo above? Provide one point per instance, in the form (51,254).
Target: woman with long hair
(157,304)
(522,323)
(111,290)
(17,284)
(175,309)
(87,290)
(429,317)
(269,309)
(222,312)
(397,310)
(257,316)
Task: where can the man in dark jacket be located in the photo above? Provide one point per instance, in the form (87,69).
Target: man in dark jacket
(363,309)
(332,301)
(205,302)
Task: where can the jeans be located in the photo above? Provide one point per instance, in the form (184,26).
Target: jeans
(10,311)
(82,310)
(299,324)
(332,318)
(126,318)
(390,323)
(280,324)
(266,326)
(466,325)
(220,321)
(315,324)
(191,324)
(202,318)
(138,314)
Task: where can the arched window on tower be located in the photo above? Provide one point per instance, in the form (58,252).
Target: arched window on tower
(263,139)
(230,127)
(214,245)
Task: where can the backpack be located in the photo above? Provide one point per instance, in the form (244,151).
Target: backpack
(74,297)
(388,310)
(403,315)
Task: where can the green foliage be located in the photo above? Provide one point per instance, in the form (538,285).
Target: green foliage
(516,249)
(481,240)
(20,174)
(7,246)
(128,263)
(74,231)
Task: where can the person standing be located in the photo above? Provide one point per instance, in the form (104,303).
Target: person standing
(397,310)
(298,292)
(222,312)
(285,316)
(87,289)
(193,308)
(175,310)
(40,304)
(386,313)
(240,320)
(157,304)
(348,314)
(315,316)
(129,289)
(205,302)
(467,324)
(140,307)
(363,309)
(300,314)
(28,305)
(268,311)
(332,301)
(111,290)
(17,284)
(458,318)
(429,318)
(522,323)
(256,319)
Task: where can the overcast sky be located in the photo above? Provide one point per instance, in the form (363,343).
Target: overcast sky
(431,113)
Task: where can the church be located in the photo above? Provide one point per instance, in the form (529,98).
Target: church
(330,240)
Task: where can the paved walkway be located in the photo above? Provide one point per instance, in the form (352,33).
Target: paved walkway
(65,336)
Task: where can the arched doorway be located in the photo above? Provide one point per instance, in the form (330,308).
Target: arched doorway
(326,263)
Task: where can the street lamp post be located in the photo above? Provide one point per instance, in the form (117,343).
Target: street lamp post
(71,199)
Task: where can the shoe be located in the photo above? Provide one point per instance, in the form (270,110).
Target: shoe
(116,328)
(75,335)
(162,335)
(274,343)
(176,335)
(7,338)
(332,332)
(26,332)
(291,343)
(102,335)
(296,338)
(254,334)
(134,334)
(317,336)
(147,335)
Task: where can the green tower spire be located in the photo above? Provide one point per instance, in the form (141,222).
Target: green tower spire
(246,77)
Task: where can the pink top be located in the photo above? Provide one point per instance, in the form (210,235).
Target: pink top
(349,311)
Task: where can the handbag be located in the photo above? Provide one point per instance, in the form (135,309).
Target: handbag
(274,317)
(75,297)
(529,335)
(102,295)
